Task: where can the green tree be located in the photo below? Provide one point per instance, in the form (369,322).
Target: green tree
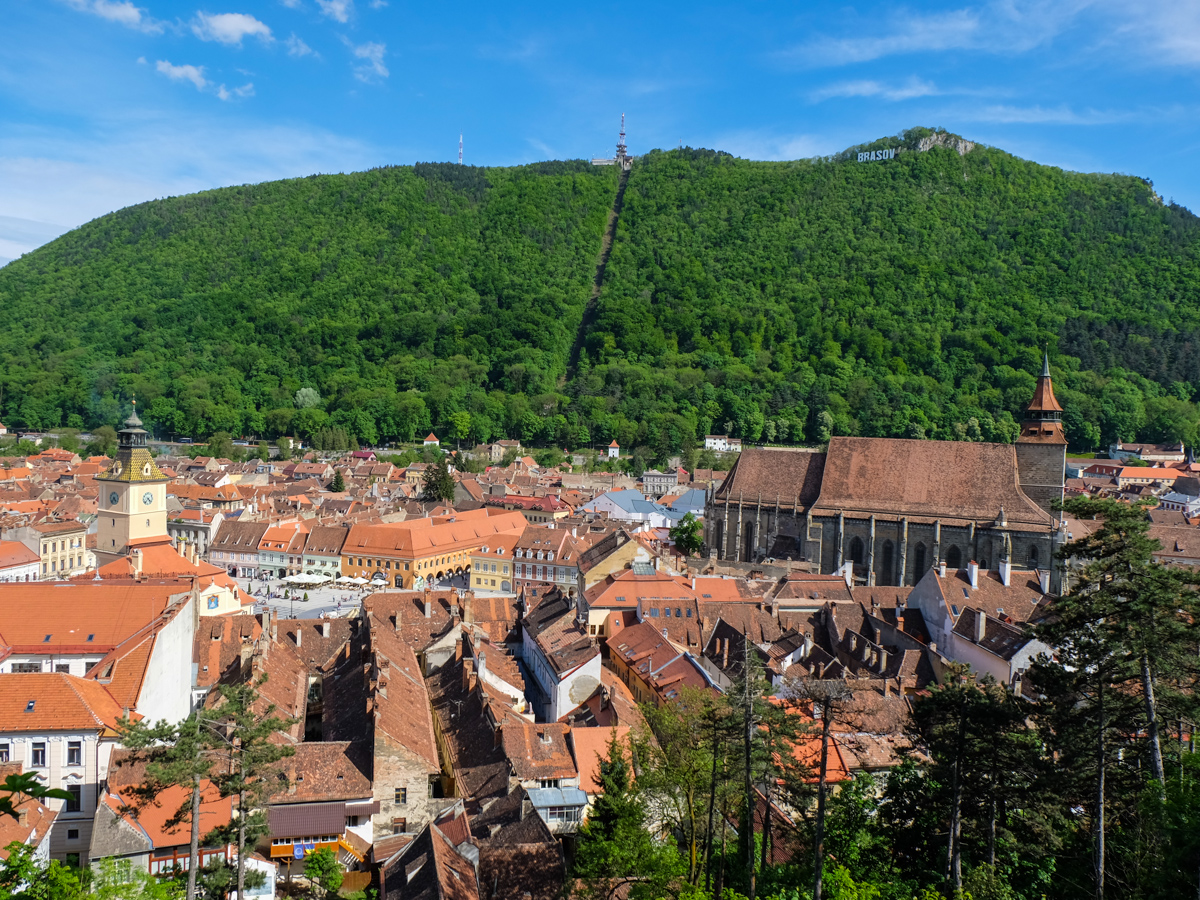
(174,755)
(263,452)
(338,483)
(324,872)
(220,445)
(614,851)
(24,877)
(460,426)
(439,483)
(117,879)
(104,441)
(17,788)
(688,535)
(307,398)
(248,725)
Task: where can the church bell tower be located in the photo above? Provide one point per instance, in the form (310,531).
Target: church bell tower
(133,496)
(1042,446)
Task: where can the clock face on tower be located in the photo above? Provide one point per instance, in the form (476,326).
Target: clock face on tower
(112,499)
(147,498)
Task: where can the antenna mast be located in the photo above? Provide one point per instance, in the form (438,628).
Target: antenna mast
(460,148)
(621,139)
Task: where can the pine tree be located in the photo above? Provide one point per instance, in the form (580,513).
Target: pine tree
(338,484)
(175,755)
(247,726)
(614,849)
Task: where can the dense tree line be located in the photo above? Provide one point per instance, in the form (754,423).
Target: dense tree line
(779,302)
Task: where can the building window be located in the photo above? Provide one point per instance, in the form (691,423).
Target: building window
(75,753)
(39,755)
(399,826)
(954,558)
(4,753)
(63,668)
(856,551)
(75,803)
(26,668)
(547,782)
(401,795)
(72,834)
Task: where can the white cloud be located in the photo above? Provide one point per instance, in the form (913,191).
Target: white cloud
(1039,115)
(229,28)
(19,236)
(246,90)
(378,4)
(998,26)
(339,10)
(771,146)
(372,55)
(912,88)
(292,4)
(52,175)
(297,47)
(909,34)
(194,74)
(122,12)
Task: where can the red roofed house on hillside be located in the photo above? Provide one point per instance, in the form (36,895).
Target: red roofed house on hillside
(63,728)
(892,508)
(431,440)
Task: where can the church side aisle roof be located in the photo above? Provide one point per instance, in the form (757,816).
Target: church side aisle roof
(775,474)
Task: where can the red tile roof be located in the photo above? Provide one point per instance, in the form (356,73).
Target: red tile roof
(45,701)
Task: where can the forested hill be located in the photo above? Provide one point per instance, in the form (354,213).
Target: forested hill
(780,302)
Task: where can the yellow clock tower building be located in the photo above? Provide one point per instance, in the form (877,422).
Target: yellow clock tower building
(133,496)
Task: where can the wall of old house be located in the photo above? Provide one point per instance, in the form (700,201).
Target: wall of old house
(398,767)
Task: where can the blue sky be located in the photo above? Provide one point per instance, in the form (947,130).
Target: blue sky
(106,103)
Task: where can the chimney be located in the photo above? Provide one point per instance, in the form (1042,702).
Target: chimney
(883,661)
(399,619)
(664,631)
(725,654)
(942,569)
(135,560)
(848,574)
(299,635)
(325,629)
(481,665)
(980,625)
(274,631)
(887,688)
(808,644)
(468,674)
(1044,580)
(973,574)
(428,605)
(458,650)
(899,685)
(1016,682)
(1005,572)
(468,608)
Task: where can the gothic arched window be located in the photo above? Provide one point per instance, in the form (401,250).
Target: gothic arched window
(889,563)
(954,558)
(1033,556)
(856,550)
(919,563)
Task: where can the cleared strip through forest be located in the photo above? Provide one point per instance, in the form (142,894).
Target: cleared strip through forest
(589,311)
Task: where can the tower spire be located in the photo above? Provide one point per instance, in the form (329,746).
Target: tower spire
(1046,364)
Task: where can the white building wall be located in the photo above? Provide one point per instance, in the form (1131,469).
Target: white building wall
(166,690)
(27,572)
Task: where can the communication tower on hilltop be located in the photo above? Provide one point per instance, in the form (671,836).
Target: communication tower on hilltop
(460,148)
(622,159)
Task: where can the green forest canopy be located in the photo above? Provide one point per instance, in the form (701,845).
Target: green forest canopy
(777,301)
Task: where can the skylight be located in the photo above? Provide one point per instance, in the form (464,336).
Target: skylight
(29,706)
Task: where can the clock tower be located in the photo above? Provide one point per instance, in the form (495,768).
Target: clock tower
(133,496)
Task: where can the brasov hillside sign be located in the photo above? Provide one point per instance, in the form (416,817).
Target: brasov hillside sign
(873,155)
